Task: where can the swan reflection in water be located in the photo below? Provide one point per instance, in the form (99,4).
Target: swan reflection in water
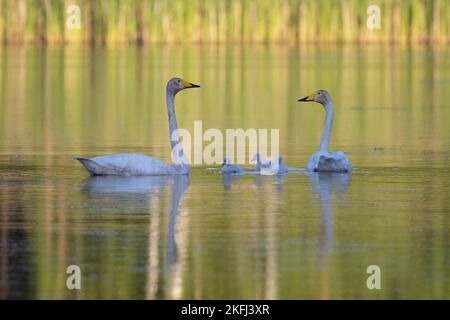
(276,180)
(124,193)
(180,185)
(120,185)
(325,184)
(229,180)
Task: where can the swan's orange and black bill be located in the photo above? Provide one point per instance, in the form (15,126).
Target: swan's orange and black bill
(311,97)
(187,85)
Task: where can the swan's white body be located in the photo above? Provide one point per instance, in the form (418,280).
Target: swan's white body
(229,168)
(324,160)
(269,168)
(129,164)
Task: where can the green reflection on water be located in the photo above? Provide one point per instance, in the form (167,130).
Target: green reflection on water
(301,236)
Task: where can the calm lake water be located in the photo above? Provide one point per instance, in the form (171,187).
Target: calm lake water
(205,237)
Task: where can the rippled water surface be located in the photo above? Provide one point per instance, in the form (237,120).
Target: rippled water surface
(205,237)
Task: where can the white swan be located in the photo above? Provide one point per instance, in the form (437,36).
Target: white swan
(229,168)
(139,164)
(324,160)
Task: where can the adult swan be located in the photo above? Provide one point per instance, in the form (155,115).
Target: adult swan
(324,160)
(142,165)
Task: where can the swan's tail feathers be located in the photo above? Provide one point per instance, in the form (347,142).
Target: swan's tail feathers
(95,168)
(89,164)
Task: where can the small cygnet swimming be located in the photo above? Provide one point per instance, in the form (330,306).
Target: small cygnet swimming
(229,168)
(281,167)
(269,167)
(259,163)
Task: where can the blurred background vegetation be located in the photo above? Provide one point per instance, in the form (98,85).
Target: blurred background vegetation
(105,22)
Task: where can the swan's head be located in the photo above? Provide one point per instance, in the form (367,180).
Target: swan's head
(175,85)
(256,157)
(321,96)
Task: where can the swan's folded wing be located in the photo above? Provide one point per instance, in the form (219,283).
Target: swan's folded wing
(125,164)
(99,168)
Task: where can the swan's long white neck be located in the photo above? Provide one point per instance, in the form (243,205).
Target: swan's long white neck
(176,147)
(326,135)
